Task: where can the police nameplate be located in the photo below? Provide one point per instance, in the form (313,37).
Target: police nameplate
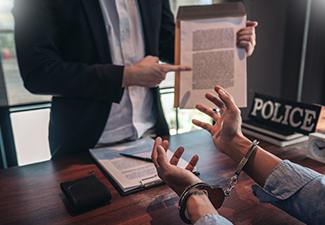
(285,114)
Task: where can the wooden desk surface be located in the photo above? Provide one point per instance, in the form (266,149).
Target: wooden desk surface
(32,194)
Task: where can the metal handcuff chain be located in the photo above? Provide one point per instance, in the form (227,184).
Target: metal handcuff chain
(215,192)
(233,180)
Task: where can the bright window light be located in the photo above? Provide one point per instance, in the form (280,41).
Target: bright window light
(30,129)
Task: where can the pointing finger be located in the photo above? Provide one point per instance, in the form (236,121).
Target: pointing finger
(176,68)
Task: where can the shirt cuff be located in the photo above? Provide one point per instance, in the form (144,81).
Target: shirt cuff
(212,219)
(284,181)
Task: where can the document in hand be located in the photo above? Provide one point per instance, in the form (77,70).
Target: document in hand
(205,39)
(129,175)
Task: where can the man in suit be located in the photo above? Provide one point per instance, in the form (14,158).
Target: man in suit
(99,61)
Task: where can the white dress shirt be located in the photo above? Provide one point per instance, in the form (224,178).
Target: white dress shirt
(134,114)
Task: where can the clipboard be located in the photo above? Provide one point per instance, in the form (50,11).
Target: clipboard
(126,174)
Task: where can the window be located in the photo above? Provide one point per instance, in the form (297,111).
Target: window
(179,120)
(30,130)
(24,116)
(20,113)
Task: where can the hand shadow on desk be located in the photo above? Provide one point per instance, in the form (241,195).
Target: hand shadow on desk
(73,213)
(156,207)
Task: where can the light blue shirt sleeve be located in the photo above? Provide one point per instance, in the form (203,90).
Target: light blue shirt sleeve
(212,219)
(295,189)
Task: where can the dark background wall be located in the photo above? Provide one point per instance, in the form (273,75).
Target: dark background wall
(314,82)
(265,65)
(274,67)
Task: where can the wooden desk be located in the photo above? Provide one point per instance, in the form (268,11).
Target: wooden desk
(32,194)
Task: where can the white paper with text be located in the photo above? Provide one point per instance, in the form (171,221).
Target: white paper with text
(209,47)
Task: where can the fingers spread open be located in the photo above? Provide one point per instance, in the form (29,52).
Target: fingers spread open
(176,156)
(191,165)
(205,126)
(226,98)
(213,114)
(215,100)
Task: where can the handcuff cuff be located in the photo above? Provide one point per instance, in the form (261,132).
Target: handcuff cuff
(215,192)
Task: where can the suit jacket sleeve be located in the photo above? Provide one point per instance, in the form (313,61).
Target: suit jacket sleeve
(63,50)
(57,52)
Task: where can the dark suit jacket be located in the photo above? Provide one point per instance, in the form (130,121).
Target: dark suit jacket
(63,50)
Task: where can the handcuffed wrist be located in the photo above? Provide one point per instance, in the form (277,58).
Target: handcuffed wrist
(215,193)
(238,147)
(215,190)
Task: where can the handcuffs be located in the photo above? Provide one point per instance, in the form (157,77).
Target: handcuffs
(215,192)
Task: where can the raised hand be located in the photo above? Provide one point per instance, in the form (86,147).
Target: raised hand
(227,125)
(175,177)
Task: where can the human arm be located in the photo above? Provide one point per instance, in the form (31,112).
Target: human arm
(63,50)
(228,138)
(246,37)
(295,189)
(179,179)
(148,72)
(164,32)
(58,54)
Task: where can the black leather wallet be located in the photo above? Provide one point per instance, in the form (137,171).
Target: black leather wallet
(85,193)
